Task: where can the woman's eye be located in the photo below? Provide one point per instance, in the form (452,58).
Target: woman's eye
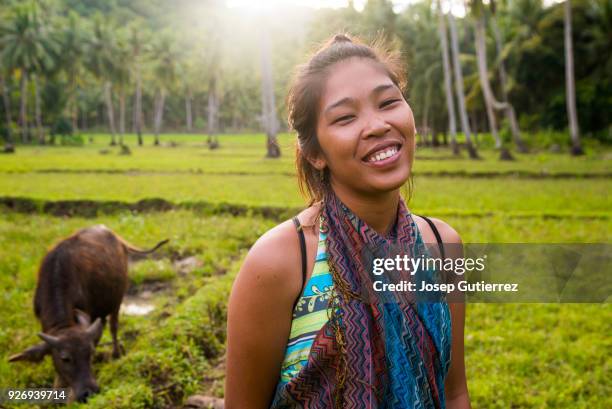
(344,119)
(388,102)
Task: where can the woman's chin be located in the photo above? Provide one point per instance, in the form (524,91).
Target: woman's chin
(391,182)
(387,185)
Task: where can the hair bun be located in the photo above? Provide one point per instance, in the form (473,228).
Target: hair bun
(341,38)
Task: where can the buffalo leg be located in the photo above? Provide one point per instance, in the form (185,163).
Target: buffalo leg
(114,325)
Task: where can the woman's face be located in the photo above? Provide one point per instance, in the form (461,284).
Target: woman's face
(365,129)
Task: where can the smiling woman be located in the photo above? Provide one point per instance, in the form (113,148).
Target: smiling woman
(300,333)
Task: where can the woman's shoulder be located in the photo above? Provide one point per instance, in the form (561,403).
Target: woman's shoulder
(284,236)
(453,245)
(447,233)
(275,258)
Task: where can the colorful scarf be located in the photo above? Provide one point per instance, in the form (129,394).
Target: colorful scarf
(378,349)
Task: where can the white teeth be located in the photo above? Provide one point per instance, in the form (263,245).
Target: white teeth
(383,155)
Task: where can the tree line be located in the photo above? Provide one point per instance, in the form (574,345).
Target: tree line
(507,68)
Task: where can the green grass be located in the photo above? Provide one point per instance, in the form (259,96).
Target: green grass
(517,355)
(170,351)
(155,351)
(245,154)
(442,195)
(539,355)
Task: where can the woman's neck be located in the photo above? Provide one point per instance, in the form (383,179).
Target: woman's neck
(378,211)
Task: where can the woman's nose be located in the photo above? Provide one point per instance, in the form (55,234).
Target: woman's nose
(376,126)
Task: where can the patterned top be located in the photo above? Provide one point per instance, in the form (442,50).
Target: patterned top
(389,351)
(309,315)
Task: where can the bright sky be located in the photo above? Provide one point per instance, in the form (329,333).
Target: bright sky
(398,5)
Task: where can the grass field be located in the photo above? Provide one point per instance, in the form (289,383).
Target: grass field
(518,355)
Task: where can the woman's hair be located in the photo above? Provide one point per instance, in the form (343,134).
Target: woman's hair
(304,97)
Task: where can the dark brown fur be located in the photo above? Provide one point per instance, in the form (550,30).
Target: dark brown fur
(82,279)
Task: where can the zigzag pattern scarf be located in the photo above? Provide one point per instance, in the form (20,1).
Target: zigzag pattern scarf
(378,349)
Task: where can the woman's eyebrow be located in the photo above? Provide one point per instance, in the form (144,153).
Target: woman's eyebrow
(343,101)
(383,87)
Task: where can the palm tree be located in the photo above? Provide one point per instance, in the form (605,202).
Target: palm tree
(419,33)
(213,42)
(37,109)
(465,125)
(270,121)
(137,40)
(6,102)
(102,64)
(448,90)
(188,109)
(122,77)
(570,89)
(503,78)
(491,103)
(73,52)
(186,71)
(212,111)
(166,58)
(28,46)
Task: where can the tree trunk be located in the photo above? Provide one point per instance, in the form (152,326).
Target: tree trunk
(270,121)
(570,91)
(121,116)
(188,112)
(211,124)
(510,113)
(159,113)
(23,107)
(465,125)
(73,104)
(38,114)
(6,101)
(425,127)
(490,101)
(138,107)
(84,120)
(109,109)
(483,76)
(448,86)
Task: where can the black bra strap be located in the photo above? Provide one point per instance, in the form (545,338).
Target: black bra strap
(437,234)
(300,231)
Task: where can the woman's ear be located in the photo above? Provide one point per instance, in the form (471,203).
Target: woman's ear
(319,162)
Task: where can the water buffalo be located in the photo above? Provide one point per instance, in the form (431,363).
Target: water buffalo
(82,279)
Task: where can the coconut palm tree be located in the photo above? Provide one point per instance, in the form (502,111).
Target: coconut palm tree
(212,110)
(214,41)
(27,46)
(122,76)
(448,86)
(465,125)
(138,36)
(269,118)
(73,40)
(102,63)
(164,71)
(503,78)
(570,86)
(491,103)
(188,98)
(418,31)
(6,102)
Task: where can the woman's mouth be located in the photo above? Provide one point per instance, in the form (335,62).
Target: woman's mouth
(384,156)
